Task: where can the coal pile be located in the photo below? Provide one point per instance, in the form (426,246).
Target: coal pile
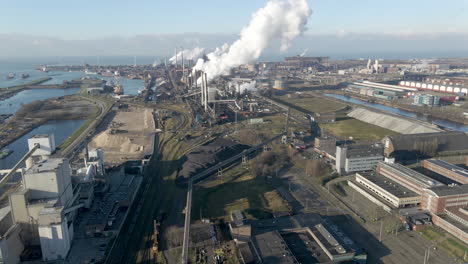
(208,155)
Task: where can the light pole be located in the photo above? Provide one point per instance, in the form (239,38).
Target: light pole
(381,227)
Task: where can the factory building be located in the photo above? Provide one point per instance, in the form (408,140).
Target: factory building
(388,190)
(411,145)
(442,87)
(355,158)
(436,199)
(448,206)
(407,177)
(448,170)
(426,99)
(275,241)
(11,244)
(301,62)
(40,206)
(378,90)
(324,117)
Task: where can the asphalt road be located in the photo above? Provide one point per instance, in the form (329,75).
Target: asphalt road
(103,110)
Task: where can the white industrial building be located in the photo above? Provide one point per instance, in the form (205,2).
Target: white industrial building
(355,158)
(443,88)
(42,208)
(38,206)
(388,190)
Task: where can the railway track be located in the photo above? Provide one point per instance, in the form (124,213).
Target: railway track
(134,243)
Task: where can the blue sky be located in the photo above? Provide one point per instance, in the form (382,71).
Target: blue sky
(91,19)
(154,27)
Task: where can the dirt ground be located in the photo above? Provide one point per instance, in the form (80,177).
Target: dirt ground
(128,136)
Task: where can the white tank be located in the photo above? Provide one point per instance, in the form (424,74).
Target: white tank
(279,85)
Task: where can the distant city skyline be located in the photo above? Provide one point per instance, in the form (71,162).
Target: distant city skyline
(154,27)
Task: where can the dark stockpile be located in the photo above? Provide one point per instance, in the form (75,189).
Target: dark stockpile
(208,155)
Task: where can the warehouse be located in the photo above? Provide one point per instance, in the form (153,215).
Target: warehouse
(448,207)
(407,177)
(436,199)
(442,88)
(388,190)
(448,170)
(410,146)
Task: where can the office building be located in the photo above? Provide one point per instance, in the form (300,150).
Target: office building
(426,99)
(353,158)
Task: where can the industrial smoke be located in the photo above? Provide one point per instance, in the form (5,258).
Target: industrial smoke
(188,54)
(281,20)
(248,86)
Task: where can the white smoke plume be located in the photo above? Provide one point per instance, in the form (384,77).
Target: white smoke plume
(189,54)
(281,20)
(247,86)
(304,52)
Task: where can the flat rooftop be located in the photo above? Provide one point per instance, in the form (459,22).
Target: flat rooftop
(357,151)
(449,166)
(454,222)
(446,190)
(273,249)
(307,224)
(411,175)
(47,165)
(461,212)
(40,136)
(388,185)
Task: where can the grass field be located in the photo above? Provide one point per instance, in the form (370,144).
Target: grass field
(314,104)
(360,131)
(449,244)
(217,197)
(431,234)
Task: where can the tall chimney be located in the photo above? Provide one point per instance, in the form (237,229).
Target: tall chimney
(202,89)
(206,92)
(176,56)
(183,67)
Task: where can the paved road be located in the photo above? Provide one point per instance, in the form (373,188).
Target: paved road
(188,211)
(103,110)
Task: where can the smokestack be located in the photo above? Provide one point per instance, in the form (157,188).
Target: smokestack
(183,68)
(206,92)
(202,89)
(176,56)
(86,157)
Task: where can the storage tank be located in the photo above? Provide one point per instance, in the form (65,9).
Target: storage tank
(279,84)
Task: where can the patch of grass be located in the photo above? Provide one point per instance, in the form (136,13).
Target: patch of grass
(454,247)
(217,197)
(446,242)
(431,233)
(314,104)
(360,131)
